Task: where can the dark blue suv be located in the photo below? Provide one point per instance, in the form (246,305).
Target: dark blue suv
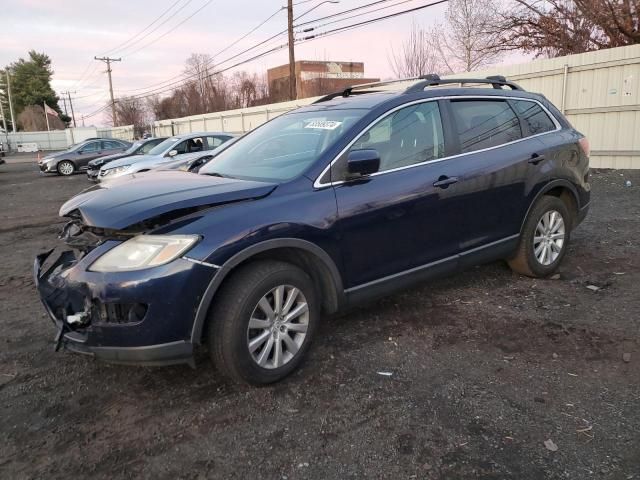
(360,194)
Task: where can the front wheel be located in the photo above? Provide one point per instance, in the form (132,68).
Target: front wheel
(66,168)
(262,322)
(544,239)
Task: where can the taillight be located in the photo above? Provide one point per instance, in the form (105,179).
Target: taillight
(584,145)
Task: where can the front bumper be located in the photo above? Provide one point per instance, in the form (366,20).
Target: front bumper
(47,167)
(93,174)
(160,336)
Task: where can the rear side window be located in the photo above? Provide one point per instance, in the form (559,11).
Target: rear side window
(484,123)
(109,145)
(534,117)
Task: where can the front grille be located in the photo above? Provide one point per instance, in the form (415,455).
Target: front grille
(122,313)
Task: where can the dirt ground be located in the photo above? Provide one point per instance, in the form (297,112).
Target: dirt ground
(484,367)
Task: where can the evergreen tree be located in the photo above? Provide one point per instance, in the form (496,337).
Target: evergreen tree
(31,83)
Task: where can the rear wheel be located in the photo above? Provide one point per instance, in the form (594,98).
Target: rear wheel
(262,323)
(66,168)
(544,239)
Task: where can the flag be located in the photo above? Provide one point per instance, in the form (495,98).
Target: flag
(49,111)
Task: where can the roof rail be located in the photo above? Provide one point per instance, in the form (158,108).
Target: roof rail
(352,90)
(497,81)
(430,80)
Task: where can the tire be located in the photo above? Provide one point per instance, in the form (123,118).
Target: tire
(230,337)
(534,240)
(66,168)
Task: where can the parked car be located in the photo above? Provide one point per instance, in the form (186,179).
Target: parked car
(78,156)
(193,162)
(141,147)
(169,150)
(321,208)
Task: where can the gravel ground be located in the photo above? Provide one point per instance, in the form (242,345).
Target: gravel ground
(480,370)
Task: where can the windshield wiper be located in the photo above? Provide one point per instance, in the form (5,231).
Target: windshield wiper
(215,174)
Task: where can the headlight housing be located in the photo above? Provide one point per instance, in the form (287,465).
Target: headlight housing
(144,251)
(113,171)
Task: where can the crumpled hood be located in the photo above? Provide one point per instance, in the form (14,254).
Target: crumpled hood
(120,204)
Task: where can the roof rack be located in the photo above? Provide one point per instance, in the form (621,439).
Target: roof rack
(430,80)
(497,81)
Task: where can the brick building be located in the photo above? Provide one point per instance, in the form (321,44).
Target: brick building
(315,78)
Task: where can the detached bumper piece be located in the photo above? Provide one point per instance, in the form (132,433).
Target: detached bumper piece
(76,313)
(93,174)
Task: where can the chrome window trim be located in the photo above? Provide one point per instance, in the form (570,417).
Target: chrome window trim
(317,184)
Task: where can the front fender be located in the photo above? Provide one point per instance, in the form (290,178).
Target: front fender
(229,265)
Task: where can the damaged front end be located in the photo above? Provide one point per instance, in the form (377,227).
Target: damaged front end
(123,317)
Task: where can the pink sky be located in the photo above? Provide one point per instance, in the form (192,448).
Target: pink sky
(71,32)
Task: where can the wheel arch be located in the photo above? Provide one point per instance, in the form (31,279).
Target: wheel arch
(75,165)
(310,257)
(560,188)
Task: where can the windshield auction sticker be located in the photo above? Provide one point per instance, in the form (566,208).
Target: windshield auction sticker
(323,124)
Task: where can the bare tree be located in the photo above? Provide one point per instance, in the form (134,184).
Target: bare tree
(417,55)
(468,39)
(564,27)
(132,111)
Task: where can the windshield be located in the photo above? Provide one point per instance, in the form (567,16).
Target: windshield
(163,146)
(284,147)
(134,147)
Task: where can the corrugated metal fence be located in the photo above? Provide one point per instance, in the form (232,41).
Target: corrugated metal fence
(598,91)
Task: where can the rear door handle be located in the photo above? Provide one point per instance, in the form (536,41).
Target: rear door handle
(444,181)
(536,159)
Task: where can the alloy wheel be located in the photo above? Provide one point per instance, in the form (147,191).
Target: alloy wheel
(549,237)
(278,326)
(65,168)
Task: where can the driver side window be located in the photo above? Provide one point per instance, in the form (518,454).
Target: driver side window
(406,137)
(181,147)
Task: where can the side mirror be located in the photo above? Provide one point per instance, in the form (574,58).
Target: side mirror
(173,153)
(363,162)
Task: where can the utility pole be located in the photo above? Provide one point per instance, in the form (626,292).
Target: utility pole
(68,94)
(64,103)
(108,61)
(13,121)
(4,121)
(293,93)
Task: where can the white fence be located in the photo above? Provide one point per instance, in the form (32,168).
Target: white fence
(62,139)
(598,91)
(232,121)
(55,140)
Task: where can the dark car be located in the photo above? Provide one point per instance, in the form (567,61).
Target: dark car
(141,147)
(319,209)
(77,157)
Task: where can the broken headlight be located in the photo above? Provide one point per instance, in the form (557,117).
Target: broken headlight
(144,251)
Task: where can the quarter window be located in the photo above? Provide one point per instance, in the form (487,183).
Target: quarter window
(409,136)
(534,117)
(484,123)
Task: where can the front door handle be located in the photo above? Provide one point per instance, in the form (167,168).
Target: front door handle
(444,181)
(536,159)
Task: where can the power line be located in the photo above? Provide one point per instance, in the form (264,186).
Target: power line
(182,77)
(169,31)
(156,28)
(120,45)
(232,44)
(304,40)
(355,16)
